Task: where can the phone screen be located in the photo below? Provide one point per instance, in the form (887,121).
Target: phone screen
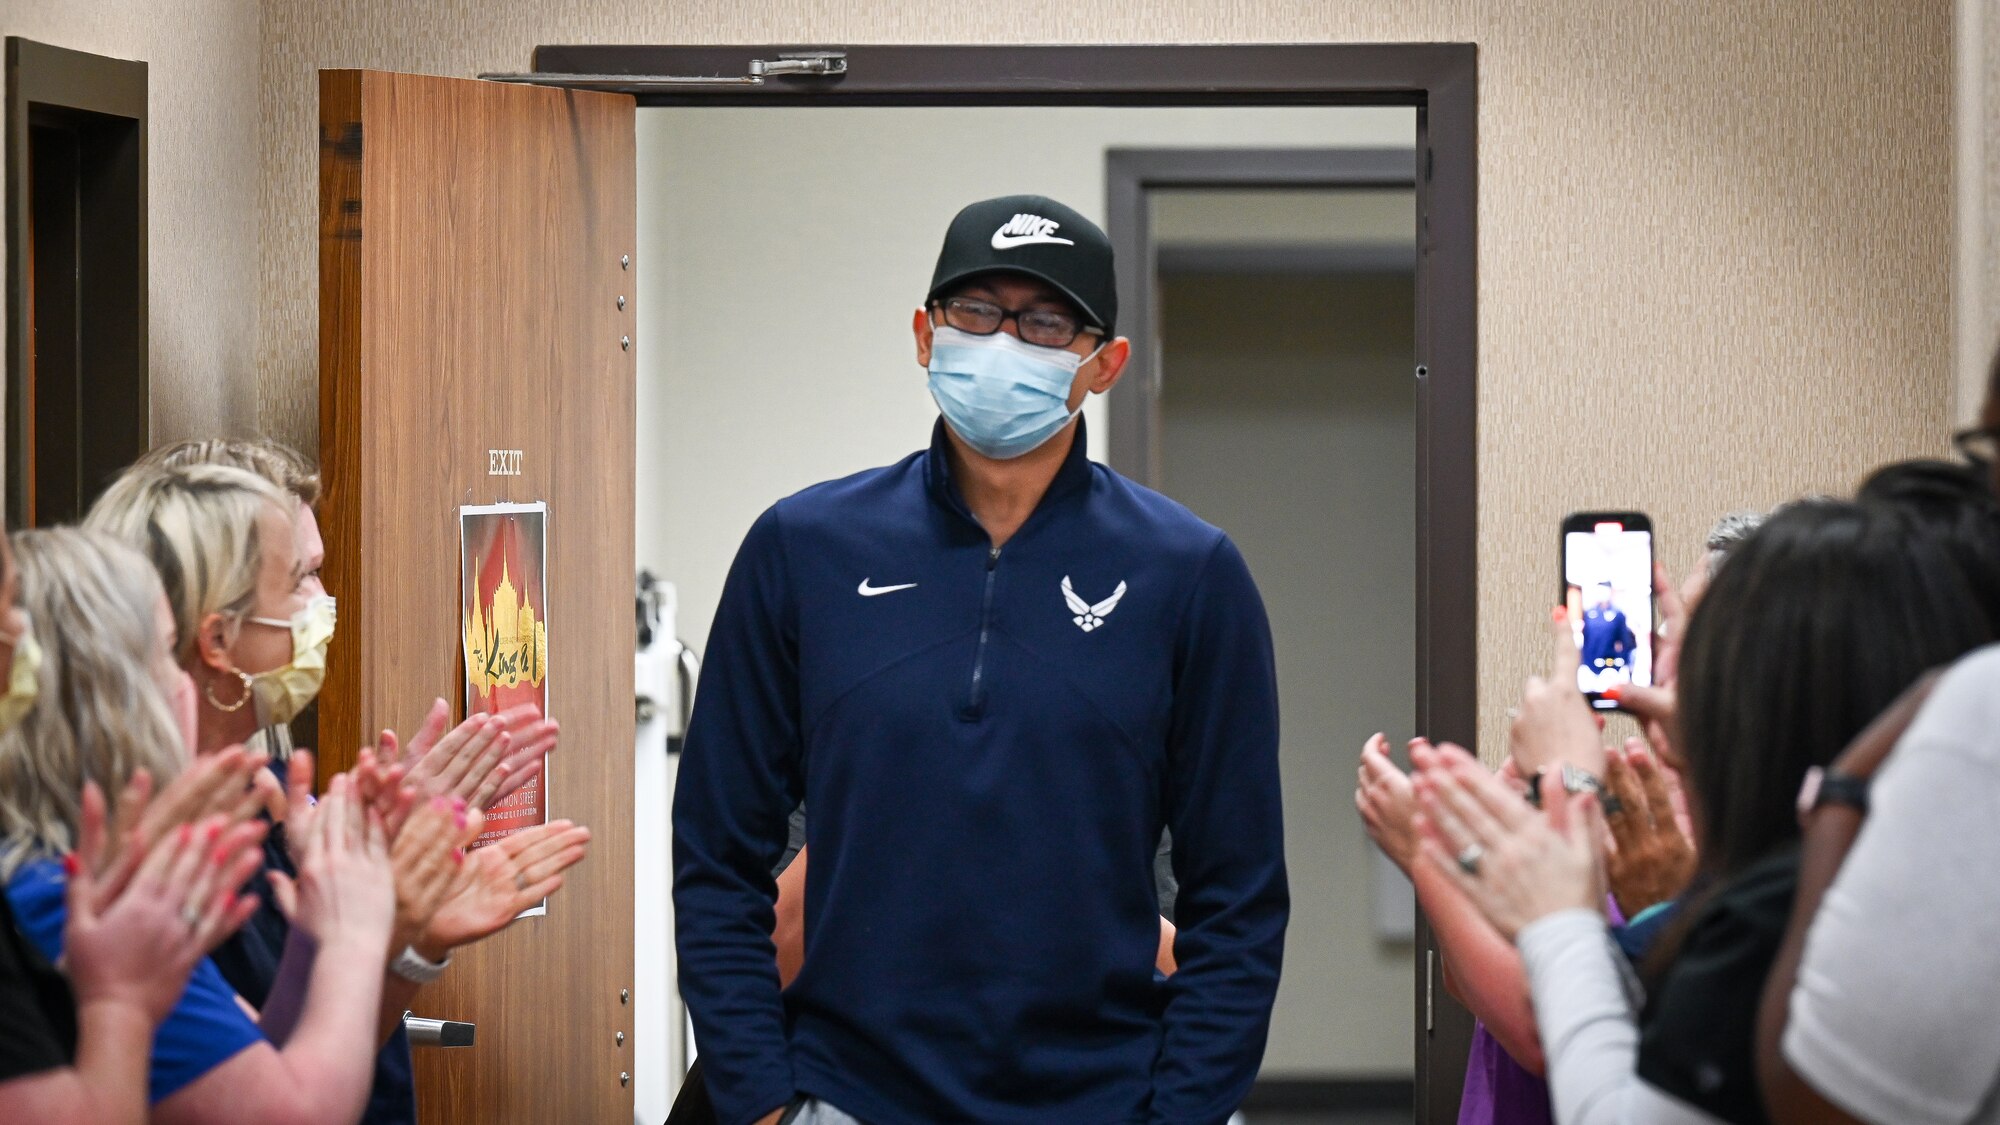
(1608,575)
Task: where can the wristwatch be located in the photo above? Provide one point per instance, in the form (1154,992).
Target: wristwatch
(412,967)
(1824,787)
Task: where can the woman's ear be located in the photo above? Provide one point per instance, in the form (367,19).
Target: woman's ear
(921,325)
(212,638)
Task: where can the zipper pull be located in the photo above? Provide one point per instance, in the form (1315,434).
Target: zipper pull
(993,558)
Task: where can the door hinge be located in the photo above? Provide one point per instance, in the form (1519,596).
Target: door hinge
(801,64)
(1430,957)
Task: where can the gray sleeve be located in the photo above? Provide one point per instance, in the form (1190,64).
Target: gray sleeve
(1164,883)
(1892,1014)
(795,839)
(1584,1005)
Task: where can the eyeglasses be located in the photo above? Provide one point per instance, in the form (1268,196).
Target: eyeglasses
(1980,445)
(1042,327)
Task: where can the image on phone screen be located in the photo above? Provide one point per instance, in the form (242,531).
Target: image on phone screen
(1608,572)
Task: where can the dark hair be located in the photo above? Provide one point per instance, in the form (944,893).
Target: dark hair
(1955,502)
(1823,617)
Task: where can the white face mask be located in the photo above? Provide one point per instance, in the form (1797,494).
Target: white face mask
(1004,397)
(282,693)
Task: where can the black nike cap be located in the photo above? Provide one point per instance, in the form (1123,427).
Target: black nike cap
(1036,236)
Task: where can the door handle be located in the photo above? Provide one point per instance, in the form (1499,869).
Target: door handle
(437,1033)
(688,667)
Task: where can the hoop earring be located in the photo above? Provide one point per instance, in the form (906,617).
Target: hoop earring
(229,708)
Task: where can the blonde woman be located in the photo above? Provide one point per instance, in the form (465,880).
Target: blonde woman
(96,719)
(253,635)
(471,761)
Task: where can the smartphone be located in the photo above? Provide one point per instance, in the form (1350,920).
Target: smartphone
(1607,583)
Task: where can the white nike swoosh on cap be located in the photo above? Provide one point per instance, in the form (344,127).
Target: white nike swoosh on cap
(868,591)
(1009,241)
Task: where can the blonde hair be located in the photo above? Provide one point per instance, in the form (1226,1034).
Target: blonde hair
(198,525)
(273,460)
(99,714)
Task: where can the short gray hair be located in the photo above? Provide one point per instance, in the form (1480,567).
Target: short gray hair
(1728,532)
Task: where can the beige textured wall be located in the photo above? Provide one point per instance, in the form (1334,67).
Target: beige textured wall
(1977,127)
(201,58)
(1730,219)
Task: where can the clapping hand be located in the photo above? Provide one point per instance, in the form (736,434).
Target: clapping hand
(429,856)
(1554,723)
(1652,856)
(1516,864)
(219,784)
(1387,804)
(382,786)
(134,941)
(481,761)
(345,890)
(502,879)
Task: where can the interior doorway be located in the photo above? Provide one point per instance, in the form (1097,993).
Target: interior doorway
(77,402)
(1284,336)
(698,434)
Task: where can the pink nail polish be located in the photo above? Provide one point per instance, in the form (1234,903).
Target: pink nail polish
(70,864)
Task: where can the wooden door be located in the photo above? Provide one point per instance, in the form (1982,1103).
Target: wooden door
(475,296)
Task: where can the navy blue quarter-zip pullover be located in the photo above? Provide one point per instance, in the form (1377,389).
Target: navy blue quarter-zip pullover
(990,741)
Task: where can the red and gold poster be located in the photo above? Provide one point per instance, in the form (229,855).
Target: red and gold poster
(504,550)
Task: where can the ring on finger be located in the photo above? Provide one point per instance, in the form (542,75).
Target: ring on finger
(190,915)
(1469,857)
(520,881)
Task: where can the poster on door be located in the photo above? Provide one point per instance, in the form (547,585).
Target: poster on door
(503,550)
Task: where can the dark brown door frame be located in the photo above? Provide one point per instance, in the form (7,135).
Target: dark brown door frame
(100,103)
(1440,79)
(1130,176)
(1442,1027)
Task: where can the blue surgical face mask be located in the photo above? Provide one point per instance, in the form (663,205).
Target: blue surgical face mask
(1003,396)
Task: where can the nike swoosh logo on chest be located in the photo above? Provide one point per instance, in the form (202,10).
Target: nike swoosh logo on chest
(868,591)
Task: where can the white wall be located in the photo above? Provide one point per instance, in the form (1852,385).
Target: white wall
(781,254)
(1289,421)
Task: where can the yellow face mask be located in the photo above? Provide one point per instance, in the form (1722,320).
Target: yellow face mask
(24,681)
(282,693)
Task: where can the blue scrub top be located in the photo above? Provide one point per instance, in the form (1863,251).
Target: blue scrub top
(207,1025)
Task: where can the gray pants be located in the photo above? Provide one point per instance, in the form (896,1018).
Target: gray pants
(812,1111)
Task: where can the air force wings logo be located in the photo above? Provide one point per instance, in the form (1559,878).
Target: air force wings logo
(1089,616)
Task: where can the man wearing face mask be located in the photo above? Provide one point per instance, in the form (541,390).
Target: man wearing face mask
(996,671)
